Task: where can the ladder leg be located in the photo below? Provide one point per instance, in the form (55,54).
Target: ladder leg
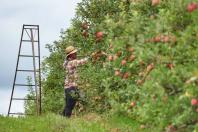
(34,65)
(39,54)
(15,72)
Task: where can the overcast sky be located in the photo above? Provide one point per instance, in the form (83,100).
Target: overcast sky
(50,15)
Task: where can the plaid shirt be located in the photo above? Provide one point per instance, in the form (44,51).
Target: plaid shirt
(71,71)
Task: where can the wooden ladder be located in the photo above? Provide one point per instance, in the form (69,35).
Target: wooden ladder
(32,33)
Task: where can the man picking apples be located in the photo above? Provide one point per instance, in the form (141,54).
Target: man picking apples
(71,88)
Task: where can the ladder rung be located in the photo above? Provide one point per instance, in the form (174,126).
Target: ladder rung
(19,114)
(29,41)
(23,85)
(27,70)
(27,56)
(30,25)
(31,28)
(22,99)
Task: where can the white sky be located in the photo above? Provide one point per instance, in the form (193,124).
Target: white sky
(50,15)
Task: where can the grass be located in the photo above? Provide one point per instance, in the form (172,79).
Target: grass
(86,123)
(56,123)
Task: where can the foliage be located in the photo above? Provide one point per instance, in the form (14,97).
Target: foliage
(30,105)
(143,61)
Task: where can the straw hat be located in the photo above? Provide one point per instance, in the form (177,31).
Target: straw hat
(70,50)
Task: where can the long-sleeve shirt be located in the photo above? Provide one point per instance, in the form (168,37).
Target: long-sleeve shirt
(71,71)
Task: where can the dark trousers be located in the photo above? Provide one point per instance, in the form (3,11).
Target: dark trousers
(71,96)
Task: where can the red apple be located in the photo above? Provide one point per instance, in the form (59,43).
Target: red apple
(132,104)
(191,7)
(132,58)
(110,58)
(194,102)
(117,72)
(170,66)
(150,67)
(123,62)
(165,39)
(99,35)
(157,39)
(130,49)
(126,75)
(155,2)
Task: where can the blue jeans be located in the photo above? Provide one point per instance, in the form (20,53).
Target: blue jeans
(71,97)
